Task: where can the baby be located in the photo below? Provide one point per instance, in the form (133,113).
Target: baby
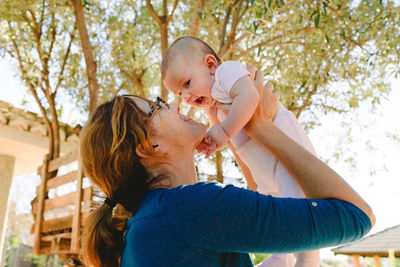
(192,70)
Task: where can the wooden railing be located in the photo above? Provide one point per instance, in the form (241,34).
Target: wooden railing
(60,235)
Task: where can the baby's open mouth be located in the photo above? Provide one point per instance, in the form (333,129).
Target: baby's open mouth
(199,100)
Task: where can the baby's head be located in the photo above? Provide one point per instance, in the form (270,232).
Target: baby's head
(188,69)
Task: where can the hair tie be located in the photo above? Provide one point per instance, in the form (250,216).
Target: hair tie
(110,202)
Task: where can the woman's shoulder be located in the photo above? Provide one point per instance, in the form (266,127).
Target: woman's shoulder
(199,189)
(202,195)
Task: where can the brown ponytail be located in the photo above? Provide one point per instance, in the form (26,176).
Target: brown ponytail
(108,145)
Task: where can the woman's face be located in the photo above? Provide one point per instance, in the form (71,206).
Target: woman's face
(172,129)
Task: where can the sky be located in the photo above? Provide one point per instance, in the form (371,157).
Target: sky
(365,135)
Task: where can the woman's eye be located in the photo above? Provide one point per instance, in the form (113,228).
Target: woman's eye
(187,83)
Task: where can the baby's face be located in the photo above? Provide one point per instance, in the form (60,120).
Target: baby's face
(192,79)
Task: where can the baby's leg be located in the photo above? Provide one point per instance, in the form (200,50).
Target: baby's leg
(286,183)
(289,188)
(308,259)
(261,163)
(278,260)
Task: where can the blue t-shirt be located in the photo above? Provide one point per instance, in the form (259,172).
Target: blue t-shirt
(210,224)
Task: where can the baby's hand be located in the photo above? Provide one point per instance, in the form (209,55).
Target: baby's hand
(215,139)
(211,113)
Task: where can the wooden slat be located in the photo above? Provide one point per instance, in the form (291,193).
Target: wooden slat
(57,236)
(49,251)
(61,223)
(76,229)
(56,247)
(60,161)
(68,199)
(59,180)
(39,215)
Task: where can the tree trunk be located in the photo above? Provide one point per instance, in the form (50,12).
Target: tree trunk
(164,47)
(194,28)
(56,128)
(218,162)
(88,53)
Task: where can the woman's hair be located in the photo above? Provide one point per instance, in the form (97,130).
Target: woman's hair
(108,155)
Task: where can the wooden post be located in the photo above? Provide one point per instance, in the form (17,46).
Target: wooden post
(76,221)
(377,261)
(40,205)
(356,261)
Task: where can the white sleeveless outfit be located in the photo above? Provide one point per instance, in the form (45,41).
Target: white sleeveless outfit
(268,173)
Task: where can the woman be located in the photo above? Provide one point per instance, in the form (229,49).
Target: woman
(140,154)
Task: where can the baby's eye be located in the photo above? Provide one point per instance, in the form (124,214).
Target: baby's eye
(187,83)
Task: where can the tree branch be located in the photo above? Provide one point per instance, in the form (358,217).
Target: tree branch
(31,87)
(53,38)
(121,86)
(276,38)
(165,9)
(42,16)
(61,74)
(223,32)
(236,19)
(306,102)
(136,79)
(37,30)
(152,12)
(173,11)
(195,24)
(234,45)
(88,54)
(44,71)
(245,52)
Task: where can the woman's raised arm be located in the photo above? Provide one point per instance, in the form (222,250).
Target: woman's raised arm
(315,178)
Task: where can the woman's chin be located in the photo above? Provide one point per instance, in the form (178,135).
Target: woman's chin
(201,133)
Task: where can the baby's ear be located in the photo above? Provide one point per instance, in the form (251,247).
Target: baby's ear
(211,62)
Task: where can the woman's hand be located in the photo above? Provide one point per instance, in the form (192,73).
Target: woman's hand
(267,107)
(211,113)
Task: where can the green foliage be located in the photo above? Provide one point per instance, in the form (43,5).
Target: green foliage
(44,260)
(37,34)
(305,47)
(13,242)
(258,258)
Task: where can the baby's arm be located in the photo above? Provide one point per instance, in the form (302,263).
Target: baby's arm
(245,100)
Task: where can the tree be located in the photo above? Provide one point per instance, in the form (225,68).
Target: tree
(163,21)
(40,37)
(303,47)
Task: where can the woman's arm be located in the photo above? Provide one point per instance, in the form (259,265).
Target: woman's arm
(315,178)
(212,217)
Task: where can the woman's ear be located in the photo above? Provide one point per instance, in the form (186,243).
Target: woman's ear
(211,62)
(141,152)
